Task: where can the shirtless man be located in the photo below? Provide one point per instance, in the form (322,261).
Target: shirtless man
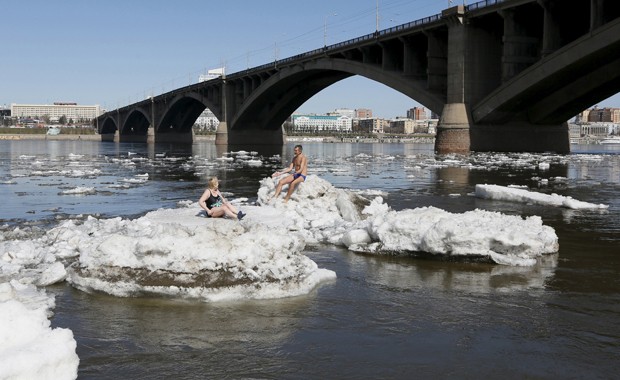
(299,165)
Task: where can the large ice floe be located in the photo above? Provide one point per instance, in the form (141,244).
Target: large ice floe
(30,348)
(325,214)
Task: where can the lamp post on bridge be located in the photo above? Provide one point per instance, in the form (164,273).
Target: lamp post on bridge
(325,29)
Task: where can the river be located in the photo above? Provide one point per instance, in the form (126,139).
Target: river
(383,317)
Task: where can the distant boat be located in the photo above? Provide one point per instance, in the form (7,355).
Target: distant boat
(611,140)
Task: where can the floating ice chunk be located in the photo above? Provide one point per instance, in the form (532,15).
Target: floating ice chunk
(502,193)
(543,166)
(502,238)
(30,348)
(254,162)
(79,191)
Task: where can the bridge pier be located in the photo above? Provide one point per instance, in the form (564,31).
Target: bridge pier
(110,137)
(257,137)
(175,137)
(453,131)
(221,135)
(520,137)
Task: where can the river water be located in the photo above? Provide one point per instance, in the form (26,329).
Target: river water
(383,317)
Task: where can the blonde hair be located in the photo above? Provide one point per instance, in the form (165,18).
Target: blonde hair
(213,182)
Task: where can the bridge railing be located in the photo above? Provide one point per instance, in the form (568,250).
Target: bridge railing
(482,4)
(353,41)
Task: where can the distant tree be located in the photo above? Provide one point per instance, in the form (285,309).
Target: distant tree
(46,119)
(62,120)
(70,121)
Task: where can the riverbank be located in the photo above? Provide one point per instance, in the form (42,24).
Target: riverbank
(17,136)
(324,139)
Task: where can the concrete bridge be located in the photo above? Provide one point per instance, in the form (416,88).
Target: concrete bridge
(503,75)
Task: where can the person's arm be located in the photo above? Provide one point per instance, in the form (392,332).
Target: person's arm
(279,173)
(202,202)
(219,193)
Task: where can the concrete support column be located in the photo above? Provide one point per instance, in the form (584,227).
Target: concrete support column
(221,135)
(519,136)
(453,129)
(150,135)
(519,51)
(437,58)
(176,137)
(596,13)
(250,137)
(551,30)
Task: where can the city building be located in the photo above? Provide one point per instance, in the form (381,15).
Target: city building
(402,126)
(212,74)
(207,121)
(363,113)
(372,125)
(71,111)
(408,126)
(417,113)
(344,112)
(597,129)
(600,115)
(322,123)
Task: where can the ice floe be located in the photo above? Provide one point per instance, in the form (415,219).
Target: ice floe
(512,194)
(30,348)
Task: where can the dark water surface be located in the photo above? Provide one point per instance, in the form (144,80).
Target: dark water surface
(383,317)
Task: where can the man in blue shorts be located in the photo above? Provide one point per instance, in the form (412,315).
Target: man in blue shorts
(299,165)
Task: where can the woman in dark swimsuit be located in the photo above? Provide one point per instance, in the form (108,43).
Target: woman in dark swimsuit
(214,203)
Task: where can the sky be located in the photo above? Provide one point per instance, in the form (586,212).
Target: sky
(117,52)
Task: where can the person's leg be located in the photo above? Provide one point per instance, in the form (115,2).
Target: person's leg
(217,212)
(281,184)
(291,188)
(231,208)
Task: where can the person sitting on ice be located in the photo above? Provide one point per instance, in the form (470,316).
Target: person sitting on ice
(214,203)
(299,165)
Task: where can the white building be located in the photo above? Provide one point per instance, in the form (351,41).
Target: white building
(207,120)
(345,112)
(212,74)
(326,123)
(56,111)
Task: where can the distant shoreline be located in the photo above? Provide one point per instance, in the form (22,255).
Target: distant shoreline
(17,136)
(325,139)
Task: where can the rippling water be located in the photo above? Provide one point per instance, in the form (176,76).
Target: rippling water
(383,317)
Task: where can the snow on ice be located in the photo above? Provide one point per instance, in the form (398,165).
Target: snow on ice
(30,348)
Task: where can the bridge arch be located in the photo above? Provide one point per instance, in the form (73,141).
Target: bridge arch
(182,112)
(280,95)
(108,126)
(137,123)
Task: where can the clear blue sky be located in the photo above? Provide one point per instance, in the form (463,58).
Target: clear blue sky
(115,52)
